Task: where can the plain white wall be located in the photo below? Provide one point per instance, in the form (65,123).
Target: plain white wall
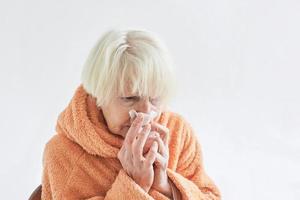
(238,71)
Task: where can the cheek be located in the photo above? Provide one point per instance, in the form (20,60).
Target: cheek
(116,117)
(120,122)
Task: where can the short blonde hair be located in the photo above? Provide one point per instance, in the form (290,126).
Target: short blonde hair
(134,60)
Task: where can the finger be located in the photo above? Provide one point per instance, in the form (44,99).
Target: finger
(134,129)
(162,148)
(151,155)
(139,143)
(160,161)
(162,130)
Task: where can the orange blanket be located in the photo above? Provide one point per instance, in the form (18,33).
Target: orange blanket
(80,161)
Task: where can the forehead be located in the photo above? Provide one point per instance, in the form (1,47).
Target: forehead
(129,90)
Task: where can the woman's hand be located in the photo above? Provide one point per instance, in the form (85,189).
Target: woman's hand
(138,167)
(161,182)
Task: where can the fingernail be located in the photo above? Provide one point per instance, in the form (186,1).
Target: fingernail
(140,116)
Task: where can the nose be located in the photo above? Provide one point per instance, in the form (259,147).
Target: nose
(144,106)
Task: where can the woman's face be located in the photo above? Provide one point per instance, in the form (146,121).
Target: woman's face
(116,113)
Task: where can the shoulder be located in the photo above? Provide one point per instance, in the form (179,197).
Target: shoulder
(178,125)
(60,157)
(60,149)
(175,120)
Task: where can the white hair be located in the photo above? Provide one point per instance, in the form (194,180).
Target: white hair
(134,60)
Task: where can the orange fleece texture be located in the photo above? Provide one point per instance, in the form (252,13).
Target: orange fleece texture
(80,161)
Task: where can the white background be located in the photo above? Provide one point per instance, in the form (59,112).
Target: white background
(238,71)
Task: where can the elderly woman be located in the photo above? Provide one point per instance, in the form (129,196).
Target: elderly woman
(116,139)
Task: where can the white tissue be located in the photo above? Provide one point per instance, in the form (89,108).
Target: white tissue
(147,117)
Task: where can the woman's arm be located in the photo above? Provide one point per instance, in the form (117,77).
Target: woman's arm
(190,177)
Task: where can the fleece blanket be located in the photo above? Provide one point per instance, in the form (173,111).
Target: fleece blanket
(80,160)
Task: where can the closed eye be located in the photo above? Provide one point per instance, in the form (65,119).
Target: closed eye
(132,98)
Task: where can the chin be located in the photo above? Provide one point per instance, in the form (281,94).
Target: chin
(123,131)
